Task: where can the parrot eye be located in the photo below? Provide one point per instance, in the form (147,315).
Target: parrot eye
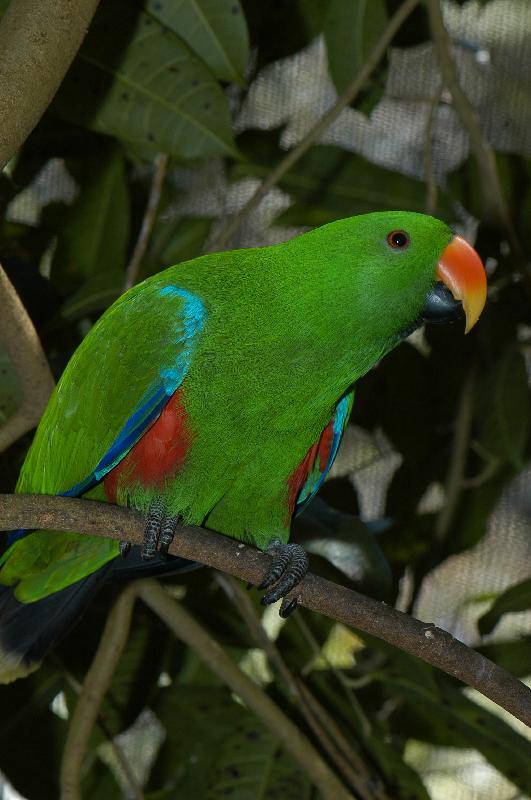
(398,240)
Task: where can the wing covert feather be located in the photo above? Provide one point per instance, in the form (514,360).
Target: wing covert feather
(114,387)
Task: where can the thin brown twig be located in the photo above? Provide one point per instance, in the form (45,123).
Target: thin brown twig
(96,683)
(349,95)
(347,688)
(359,779)
(424,640)
(150,215)
(186,628)
(430,204)
(134,789)
(22,343)
(495,206)
(460,445)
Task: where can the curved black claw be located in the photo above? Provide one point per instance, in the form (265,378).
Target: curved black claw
(290,565)
(125,549)
(167,533)
(288,607)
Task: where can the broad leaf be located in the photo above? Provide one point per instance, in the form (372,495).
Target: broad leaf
(446,717)
(93,231)
(514,656)
(135,79)
(329,183)
(252,765)
(504,408)
(94,296)
(214,744)
(352,28)
(345,542)
(214,29)
(516,598)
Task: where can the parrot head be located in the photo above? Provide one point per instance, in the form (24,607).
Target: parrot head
(396,270)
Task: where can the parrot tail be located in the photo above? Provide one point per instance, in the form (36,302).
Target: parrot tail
(29,630)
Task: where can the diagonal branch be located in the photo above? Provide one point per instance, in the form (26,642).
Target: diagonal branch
(495,205)
(150,216)
(345,758)
(424,640)
(349,95)
(21,341)
(185,627)
(95,685)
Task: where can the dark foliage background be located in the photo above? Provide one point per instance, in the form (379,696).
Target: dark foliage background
(428,505)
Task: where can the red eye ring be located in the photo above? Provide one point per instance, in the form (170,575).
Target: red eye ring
(398,240)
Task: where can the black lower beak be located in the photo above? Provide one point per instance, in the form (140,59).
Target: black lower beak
(440,306)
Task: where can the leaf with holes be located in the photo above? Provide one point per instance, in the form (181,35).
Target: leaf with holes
(214,29)
(135,79)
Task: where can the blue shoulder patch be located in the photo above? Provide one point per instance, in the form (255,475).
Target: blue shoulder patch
(192,318)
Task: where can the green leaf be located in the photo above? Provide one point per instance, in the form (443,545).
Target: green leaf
(214,29)
(352,28)
(214,745)
(135,79)
(134,680)
(251,765)
(516,598)
(503,408)
(28,726)
(176,241)
(446,717)
(346,543)
(514,656)
(94,231)
(282,28)
(96,294)
(329,183)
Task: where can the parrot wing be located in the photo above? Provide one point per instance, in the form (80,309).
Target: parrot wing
(323,453)
(115,386)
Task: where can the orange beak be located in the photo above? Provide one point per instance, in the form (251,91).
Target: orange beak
(462,271)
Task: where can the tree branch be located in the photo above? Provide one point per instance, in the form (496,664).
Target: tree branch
(346,760)
(21,341)
(209,651)
(349,95)
(38,42)
(96,683)
(495,206)
(423,640)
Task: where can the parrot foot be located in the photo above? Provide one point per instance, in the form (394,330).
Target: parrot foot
(158,532)
(290,565)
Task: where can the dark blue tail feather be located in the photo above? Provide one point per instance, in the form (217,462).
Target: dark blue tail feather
(29,630)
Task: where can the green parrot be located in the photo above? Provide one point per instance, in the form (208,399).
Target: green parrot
(216,393)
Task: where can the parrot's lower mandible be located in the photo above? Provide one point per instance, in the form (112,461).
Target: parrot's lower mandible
(216,393)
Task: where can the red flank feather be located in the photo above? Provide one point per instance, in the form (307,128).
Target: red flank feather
(159,453)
